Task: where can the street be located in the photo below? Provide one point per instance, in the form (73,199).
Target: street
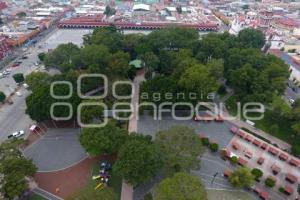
(13,117)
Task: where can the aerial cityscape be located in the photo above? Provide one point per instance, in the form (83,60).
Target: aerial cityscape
(149,100)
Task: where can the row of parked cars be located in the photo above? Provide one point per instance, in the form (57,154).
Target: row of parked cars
(5,73)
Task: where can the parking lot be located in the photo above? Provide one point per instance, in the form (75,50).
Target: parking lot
(216,131)
(275,166)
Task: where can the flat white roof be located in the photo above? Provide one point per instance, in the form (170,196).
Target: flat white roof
(141,7)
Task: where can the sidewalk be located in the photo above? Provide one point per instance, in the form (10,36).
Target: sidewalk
(127,189)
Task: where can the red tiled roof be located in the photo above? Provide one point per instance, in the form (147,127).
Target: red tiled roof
(233,129)
(242,161)
(260,160)
(273,151)
(249,138)
(275,168)
(289,189)
(227,172)
(264,195)
(256,142)
(241,133)
(235,145)
(291,178)
(283,156)
(264,146)
(294,162)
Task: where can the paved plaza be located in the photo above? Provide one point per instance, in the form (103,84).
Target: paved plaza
(58,149)
(216,131)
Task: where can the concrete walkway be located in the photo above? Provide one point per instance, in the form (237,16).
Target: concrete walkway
(127,189)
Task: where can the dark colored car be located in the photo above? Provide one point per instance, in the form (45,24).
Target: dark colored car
(105,166)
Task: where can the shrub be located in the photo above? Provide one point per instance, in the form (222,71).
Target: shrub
(296,149)
(257,173)
(270,182)
(148,196)
(234,160)
(274,128)
(19,78)
(214,147)
(281,189)
(205,141)
(298,189)
(2,97)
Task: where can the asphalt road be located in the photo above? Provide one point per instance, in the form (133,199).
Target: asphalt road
(13,117)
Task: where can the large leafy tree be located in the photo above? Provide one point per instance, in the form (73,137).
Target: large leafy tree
(242,178)
(14,168)
(181,186)
(180,147)
(251,38)
(109,37)
(106,140)
(96,56)
(198,79)
(62,57)
(39,103)
(37,79)
(138,160)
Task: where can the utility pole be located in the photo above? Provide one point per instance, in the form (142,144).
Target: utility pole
(212,181)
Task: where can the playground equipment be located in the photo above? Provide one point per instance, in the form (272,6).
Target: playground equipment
(99,186)
(103,175)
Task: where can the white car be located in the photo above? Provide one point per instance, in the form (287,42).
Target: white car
(292,101)
(17,134)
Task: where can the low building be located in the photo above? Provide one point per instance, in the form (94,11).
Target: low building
(4,48)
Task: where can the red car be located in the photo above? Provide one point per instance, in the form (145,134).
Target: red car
(16,64)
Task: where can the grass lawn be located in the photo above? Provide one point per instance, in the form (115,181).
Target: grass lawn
(112,192)
(282,131)
(115,182)
(228,195)
(35,196)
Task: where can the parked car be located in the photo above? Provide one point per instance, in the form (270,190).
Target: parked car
(5,72)
(24,57)
(16,64)
(16,134)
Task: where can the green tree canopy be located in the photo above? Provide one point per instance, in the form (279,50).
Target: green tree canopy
(62,57)
(14,168)
(138,160)
(198,79)
(106,140)
(251,38)
(35,80)
(241,178)
(180,147)
(2,97)
(19,78)
(181,186)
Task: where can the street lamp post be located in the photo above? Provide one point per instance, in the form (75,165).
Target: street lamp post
(214,176)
